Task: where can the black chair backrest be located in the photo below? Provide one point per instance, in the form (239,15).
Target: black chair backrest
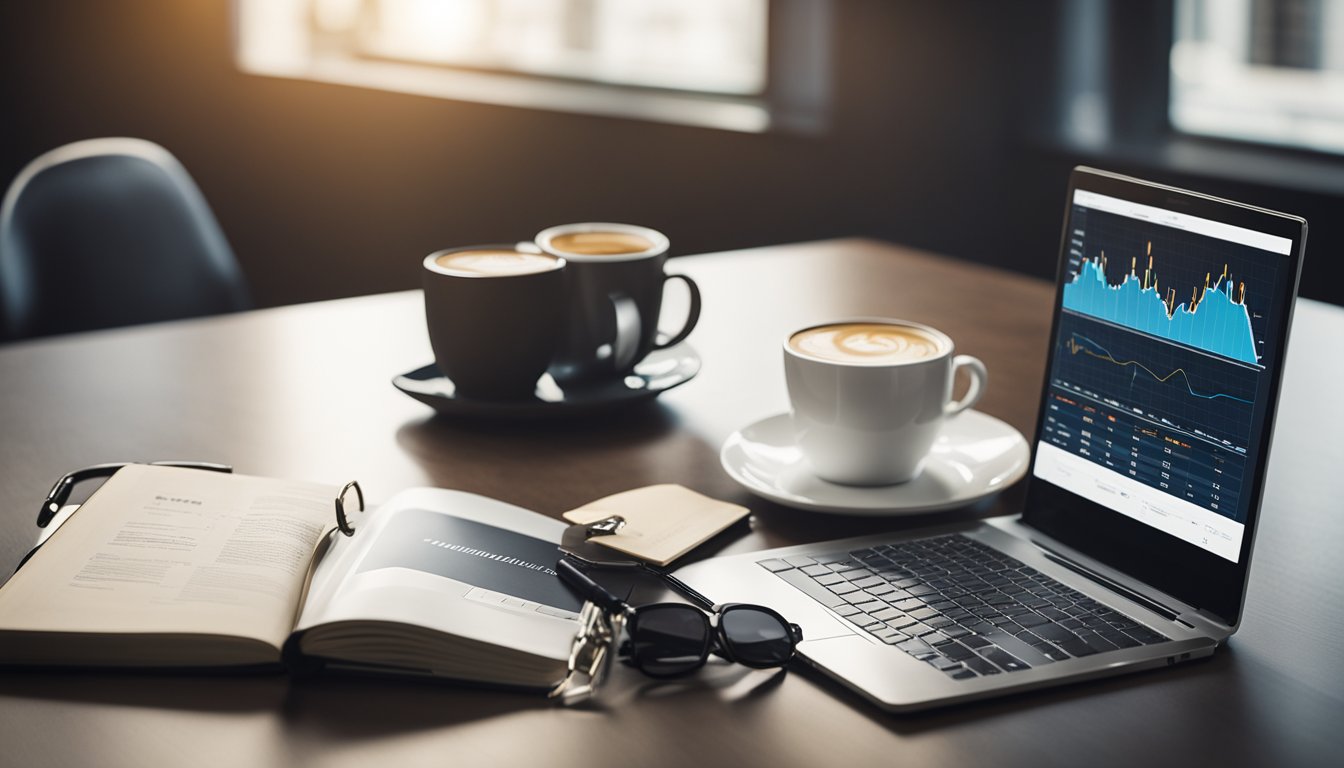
(110,232)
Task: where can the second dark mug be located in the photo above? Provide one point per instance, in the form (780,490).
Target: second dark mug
(614,283)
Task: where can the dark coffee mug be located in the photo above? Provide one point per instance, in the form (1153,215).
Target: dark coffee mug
(494,314)
(614,282)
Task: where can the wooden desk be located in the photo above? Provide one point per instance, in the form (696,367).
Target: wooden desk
(304,392)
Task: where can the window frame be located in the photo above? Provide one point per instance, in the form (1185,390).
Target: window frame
(1264,85)
(1129,77)
(796,98)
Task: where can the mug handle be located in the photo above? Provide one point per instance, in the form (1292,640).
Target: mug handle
(628,330)
(979,379)
(692,317)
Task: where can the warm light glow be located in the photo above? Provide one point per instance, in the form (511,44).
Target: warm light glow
(689,62)
(708,46)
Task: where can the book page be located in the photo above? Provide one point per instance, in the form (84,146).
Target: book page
(171,550)
(454,563)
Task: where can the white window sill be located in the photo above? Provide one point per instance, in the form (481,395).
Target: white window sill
(747,115)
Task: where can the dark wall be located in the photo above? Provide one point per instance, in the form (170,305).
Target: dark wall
(935,140)
(327,190)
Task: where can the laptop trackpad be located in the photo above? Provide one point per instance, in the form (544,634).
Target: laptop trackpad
(740,580)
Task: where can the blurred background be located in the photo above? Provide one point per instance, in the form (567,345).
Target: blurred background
(338,141)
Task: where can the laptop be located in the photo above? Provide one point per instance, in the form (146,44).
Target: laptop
(1132,551)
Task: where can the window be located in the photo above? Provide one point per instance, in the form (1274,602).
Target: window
(1270,71)
(701,62)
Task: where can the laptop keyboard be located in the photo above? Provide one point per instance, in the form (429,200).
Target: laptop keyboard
(965,608)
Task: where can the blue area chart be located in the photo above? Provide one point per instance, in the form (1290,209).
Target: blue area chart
(1214,319)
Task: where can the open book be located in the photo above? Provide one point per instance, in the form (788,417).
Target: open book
(169,567)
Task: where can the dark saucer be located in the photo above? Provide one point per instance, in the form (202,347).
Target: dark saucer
(662,370)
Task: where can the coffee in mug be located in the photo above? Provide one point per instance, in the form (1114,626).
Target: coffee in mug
(487,262)
(600,243)
(494,314)
(614,283)
(865,343)
(870,395)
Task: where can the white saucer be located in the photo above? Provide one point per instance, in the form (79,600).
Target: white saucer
(975,456)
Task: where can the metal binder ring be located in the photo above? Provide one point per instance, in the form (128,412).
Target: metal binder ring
(342,521)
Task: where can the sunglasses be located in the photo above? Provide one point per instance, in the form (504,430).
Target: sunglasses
(55,511)
(672,639)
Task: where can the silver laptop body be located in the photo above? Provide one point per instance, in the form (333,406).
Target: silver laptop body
(1188,591)
(898,682)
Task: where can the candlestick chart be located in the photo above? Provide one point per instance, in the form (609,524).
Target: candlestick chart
(1160,355)
(1213,318)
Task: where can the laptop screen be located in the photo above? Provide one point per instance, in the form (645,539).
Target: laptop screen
(1171,318)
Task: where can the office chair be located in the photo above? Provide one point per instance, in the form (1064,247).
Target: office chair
(110,232)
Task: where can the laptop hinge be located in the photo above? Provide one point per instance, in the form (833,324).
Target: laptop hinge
(1113,585)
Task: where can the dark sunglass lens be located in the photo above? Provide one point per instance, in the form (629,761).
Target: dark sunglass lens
(755,637)
(669,639)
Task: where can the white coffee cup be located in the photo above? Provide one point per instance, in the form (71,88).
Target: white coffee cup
(869,396)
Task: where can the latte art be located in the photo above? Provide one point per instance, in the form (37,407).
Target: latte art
(488,263)
(600,243)
(866,343)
